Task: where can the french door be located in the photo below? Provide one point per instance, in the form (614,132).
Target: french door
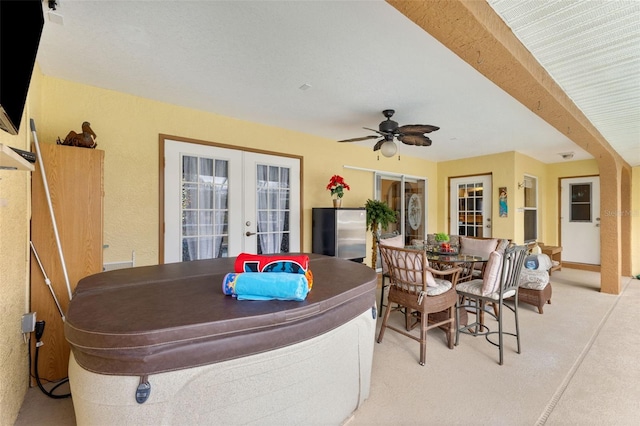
(219,202)
(470,206)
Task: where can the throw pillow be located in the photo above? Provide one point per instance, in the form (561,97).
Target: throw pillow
(491,279)
(478,246)
(503,243)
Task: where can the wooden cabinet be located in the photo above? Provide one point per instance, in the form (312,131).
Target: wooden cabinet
(75,183)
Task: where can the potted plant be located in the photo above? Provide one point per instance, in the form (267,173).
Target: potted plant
(379,216)
(443,239)
(337,186)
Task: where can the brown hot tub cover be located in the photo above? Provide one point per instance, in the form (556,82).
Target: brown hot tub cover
(153,319)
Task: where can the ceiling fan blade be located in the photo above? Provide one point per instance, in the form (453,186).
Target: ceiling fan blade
(416,129)
(364,138)
(416,140)
(377,131)
(378,144)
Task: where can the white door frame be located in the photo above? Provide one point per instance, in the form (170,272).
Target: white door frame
(170,149)
(487,220)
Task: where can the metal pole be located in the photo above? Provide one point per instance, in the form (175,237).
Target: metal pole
(53,217)
(47,280)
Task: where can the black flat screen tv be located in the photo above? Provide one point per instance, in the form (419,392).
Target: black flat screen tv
(21,23)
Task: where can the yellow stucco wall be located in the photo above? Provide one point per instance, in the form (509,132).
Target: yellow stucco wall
(15,213)
(501,167)
(128,127)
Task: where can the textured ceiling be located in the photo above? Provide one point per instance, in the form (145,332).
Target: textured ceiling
(592,50)
(251,60)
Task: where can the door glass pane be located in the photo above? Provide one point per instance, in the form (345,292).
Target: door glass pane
(580,210)
(204,208)
(414,210)
(530,225)
(273,195)
(470,202)
(391,192)
(530,209)
(530,192)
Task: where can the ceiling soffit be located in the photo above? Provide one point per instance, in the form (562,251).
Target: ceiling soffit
(474,32)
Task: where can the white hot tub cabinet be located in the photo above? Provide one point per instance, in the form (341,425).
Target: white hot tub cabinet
(211,359)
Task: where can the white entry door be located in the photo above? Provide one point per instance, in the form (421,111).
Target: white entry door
(580,219)
(470,206)
(219,202)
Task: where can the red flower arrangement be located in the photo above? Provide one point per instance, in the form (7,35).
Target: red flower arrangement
(337,185)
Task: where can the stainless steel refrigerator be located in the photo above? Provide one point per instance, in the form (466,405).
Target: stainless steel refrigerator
(340,232)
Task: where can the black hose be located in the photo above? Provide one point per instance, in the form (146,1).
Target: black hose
(39,331)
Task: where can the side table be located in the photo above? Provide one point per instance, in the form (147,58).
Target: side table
(555,254)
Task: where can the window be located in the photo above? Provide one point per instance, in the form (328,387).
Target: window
(580,202)
(530,209)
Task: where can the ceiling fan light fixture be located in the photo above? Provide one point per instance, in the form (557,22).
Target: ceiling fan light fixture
(389,149)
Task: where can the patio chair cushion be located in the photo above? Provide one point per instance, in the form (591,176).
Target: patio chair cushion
(397,241)
(440,287)
(478,246)
(475,287)
(491,278)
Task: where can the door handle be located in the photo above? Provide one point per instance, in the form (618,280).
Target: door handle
(248,233)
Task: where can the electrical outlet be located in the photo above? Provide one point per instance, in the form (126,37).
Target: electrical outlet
(28,322)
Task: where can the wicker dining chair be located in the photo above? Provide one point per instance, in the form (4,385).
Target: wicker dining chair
(500,282)
(422,298)
(390,239)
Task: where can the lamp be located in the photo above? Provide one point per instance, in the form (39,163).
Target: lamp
(525,184)
(389,148)
(566,155)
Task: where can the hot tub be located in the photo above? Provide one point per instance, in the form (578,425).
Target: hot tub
(163,345)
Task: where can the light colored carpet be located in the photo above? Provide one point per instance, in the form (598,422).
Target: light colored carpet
(578,366)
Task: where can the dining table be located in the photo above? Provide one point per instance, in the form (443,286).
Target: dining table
(442,260)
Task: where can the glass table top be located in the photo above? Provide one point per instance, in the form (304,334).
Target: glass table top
(453,257)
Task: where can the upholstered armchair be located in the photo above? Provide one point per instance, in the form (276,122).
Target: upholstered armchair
(535,288)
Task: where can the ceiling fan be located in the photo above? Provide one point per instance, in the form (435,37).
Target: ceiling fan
(410,134)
